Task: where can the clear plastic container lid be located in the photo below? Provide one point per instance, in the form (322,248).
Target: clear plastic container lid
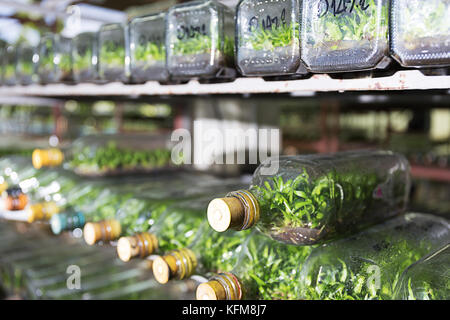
(349,35)
(26,64)
(420,32)
(9,65)
(200,40)
(85,57)
(148,48)
(112,44)
(268,39)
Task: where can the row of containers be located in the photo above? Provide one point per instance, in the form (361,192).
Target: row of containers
(318,227)
(275,38)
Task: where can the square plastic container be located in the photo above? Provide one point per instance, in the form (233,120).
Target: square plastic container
(85,57)
(200,41)
(268,37)
(113,51)
(420,32)
(26,64)
(344,36)
(9,65)
(55,59)
(148,48)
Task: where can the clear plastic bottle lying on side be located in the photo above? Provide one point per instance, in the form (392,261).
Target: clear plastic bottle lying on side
(339,36)
(268,38)
(200,41)
(113,50)
(369,265)
(148,48)
(420,32)
(102,155)
(208,252)
(85,57)
(26,64)
(312,199)
(9,65)
(427,279)
(265,269)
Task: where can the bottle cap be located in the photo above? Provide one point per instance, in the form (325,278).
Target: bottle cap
(143,245)
(107,230)
(239,211)
(42,211)
(224,286)
(58,223)
(3,186)
(177,264)
(47,158)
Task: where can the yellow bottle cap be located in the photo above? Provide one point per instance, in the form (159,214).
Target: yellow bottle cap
(107,230)
(47,158)
(224,286)
(3,186)
(42,211)
(177,264)
(143,245)
(211,290)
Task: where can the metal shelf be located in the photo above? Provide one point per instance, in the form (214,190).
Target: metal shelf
(402,80)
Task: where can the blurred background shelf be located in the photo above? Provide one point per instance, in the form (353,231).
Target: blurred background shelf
(401,80)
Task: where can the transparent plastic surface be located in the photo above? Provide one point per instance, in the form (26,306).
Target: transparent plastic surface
(112,44)
(316,198)
(26,64)
(85,57)
(2,58)
(200,40)
(427,279)
(148,48)
(119,154)
(369,265)
(9,65)
(268,37)
(420,32)
(265,270)
(341,36)
(55,59)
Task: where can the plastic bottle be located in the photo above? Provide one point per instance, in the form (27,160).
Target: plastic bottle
(312,199)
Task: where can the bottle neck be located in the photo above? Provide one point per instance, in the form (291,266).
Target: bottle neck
(239,210)
(177,264)
(140,245)
(224,286)
(101,231)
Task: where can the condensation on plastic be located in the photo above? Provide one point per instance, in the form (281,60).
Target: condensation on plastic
(9,65)
(85,57)
(316,198)
(420,32)
(55,62)
(110,154)
(369,265)
(26,64)
(268,37)
(345,35)
(200,40)
(148,48)
(427,279)
(113,53)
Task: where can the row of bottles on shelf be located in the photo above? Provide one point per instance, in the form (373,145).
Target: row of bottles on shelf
(311,201)
(207,40)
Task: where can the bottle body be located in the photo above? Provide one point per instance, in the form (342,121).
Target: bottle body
(316,198)
(426,279)
(350,37)
(113,50)
(369,264)
(26,66)
(200,40)
(9,65)
(268,37)
(55,59)
(85,57)
(148,48)
(265,269)
(420,33)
